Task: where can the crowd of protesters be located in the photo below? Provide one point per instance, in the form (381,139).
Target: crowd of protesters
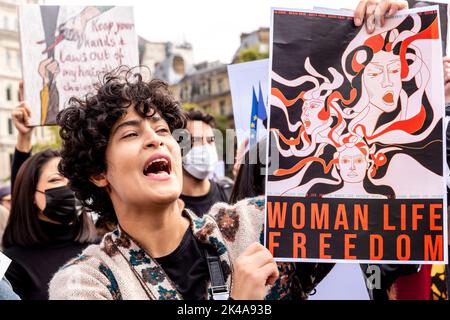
(122,212)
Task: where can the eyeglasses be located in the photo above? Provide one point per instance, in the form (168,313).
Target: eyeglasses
(199,140)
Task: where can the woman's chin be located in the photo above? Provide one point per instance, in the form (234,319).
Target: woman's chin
(166,198)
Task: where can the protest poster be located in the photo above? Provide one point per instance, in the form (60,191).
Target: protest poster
(248,84)
(66,48)
(356,158)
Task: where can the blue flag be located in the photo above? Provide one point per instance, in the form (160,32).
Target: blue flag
(261,105)
(254,119)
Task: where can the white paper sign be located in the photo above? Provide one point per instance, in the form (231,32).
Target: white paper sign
(344,282)
(248,81)
(66,48)
(4,264)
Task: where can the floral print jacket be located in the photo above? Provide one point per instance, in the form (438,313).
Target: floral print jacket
(118,268)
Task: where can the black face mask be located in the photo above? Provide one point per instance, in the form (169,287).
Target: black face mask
(60,205)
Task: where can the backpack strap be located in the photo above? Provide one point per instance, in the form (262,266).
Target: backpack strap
(226,187)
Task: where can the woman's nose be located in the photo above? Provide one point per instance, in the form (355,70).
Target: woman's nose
(386,81)
(151,138)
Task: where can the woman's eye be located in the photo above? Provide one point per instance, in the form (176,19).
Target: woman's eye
(163,130)
(128,135)
(374,74)
(395,71)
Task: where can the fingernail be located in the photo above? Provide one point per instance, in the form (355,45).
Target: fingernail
(357,22)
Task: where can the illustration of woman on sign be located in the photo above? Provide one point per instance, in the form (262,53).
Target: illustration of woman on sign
(392,82)
(72,30)
(349,172)
(320,117)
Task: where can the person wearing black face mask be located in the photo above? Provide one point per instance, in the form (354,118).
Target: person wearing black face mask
(46,227)
(60,205)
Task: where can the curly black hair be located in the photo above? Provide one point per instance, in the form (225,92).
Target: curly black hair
(86,125)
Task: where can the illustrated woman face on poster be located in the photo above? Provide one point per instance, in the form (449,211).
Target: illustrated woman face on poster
(353,164)
(310,115)
(382,81)
(391,78)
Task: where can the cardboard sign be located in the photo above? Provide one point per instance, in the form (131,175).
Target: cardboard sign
(65,49)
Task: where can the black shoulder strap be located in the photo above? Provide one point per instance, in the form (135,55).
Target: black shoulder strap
(219,289)
(226,187)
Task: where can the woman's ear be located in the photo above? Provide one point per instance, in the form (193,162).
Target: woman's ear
(99,180)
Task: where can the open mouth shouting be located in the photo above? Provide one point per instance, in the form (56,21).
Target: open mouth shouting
(158,167)
(388,97)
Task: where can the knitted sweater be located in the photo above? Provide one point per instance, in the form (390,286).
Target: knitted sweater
(119,268)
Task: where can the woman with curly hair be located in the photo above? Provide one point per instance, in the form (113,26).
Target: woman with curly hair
(123,162)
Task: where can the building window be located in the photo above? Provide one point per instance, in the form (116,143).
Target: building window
(5,23)
(220,85)
(8,59)
(18,62)
(10,126)
(8,94)
(222,107)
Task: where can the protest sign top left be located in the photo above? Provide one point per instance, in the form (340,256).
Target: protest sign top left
(65,49)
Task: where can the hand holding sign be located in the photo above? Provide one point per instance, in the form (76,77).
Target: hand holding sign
(21,116)
(253,270)
(373,12)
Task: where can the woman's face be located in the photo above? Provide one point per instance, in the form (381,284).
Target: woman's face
(382,80)
(310,115)
(143,162)
(50,178)
(352,165)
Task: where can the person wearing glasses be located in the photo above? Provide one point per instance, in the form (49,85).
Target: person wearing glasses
(200,192)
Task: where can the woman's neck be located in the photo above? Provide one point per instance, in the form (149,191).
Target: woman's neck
(353,188)
(159,229)
(193,187)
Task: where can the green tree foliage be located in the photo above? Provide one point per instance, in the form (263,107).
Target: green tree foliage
(251,54)
(55,141)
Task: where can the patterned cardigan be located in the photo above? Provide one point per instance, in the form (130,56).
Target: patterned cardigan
(118,268)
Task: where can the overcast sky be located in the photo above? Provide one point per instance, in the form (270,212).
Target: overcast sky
(213,27)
